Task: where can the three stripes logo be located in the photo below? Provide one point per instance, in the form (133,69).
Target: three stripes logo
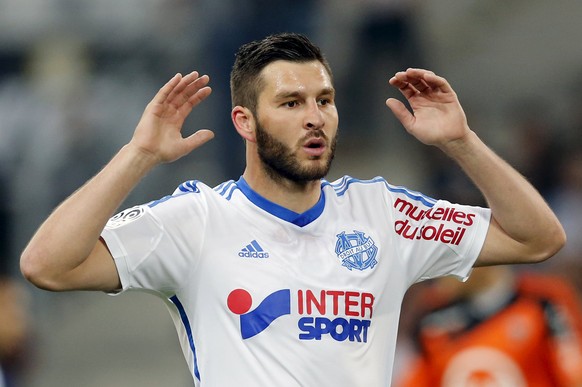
(253,250)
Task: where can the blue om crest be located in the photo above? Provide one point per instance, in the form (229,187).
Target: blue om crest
(356,251)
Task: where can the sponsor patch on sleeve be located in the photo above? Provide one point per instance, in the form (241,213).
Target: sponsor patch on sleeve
(125,216)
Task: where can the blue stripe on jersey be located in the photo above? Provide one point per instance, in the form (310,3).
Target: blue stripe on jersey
(426,200)
(156,202)
(300,220)
(184,188)
(189,186)
(226,189)
(342,185)
(222,187)
(186,324)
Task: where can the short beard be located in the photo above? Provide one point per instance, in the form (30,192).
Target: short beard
(281,163)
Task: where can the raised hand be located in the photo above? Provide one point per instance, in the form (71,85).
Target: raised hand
(159,131)
(66,252)
(437,117)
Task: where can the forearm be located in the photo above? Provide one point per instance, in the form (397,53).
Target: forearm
(523,228)
(70,233)
(518,211)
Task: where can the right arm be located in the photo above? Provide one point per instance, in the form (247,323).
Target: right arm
(66,252)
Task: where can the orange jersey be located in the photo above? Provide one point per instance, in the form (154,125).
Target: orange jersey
(534,338)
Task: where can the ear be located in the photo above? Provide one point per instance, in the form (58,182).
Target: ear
(244,122)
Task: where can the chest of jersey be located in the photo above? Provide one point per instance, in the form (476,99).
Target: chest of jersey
(318,281)
(270,291)
(314,292)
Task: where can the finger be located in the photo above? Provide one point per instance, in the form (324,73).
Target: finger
(418,79)
(437,82)
(195,86)
(200,95)
(401,82)
(420,85)
(400,112)
(429,78)
(199,138)
(176,96)
(194,100)
(191,77)
(166,90)
(417,73)
(195,92)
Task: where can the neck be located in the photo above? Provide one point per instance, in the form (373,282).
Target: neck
(295,196)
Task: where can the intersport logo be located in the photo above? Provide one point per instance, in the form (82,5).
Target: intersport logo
(336,314)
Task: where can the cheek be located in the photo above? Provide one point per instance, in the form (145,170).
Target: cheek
(281,129)
(332,126)
(332,118)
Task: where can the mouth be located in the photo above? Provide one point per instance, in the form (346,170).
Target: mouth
(314,146)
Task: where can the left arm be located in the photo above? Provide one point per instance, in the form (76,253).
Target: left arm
(523,228)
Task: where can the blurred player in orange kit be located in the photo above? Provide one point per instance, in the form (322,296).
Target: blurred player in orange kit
(14,331)
(499,329)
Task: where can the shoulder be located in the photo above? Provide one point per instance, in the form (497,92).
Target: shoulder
(196,186)
(348,185)
(192,191)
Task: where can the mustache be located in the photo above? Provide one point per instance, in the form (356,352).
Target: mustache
(317,133)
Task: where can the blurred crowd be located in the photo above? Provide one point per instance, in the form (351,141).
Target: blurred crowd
(76,75)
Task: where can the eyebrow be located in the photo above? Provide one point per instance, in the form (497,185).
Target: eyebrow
(295,94)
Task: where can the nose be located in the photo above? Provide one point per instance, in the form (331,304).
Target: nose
(314,117)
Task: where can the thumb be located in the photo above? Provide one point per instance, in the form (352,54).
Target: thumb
(400,112)
(199,138)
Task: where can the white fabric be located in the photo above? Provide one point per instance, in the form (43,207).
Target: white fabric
(332,279)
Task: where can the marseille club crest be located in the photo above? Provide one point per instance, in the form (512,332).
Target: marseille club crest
(356,251)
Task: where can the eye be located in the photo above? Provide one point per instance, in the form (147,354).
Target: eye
(325,101)
(290,104)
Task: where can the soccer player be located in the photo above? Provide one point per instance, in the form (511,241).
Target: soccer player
(500,328)
(287,278)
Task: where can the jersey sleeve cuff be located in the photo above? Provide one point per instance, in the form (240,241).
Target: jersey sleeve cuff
(118,252)
(476,246)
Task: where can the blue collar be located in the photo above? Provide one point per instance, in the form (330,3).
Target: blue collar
(280,212)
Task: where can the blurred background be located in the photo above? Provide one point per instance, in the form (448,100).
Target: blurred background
(75,76)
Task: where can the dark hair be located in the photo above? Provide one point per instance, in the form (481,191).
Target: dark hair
(253,57)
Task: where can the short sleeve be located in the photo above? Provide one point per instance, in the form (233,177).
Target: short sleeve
(155,245)
(436,238)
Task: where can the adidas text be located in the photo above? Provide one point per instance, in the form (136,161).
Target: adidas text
(254,254)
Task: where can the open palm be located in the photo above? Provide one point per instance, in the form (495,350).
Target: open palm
(159,132)
(437,117)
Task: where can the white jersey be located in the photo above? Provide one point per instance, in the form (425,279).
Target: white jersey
(264,296)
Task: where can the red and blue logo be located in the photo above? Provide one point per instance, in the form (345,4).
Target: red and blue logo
(341,315)
(275,305)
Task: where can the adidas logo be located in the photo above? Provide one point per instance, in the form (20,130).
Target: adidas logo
(253,250)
